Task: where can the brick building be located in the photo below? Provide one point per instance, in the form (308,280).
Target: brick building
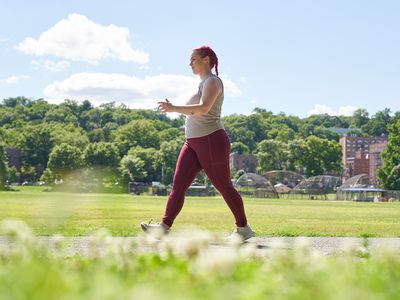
(356,154)
(361,163)
(248,163)
(375,160)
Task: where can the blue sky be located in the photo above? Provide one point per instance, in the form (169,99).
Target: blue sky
(298,57)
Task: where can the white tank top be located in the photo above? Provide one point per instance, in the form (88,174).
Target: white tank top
(198,126)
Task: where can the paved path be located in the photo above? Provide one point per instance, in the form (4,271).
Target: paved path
(324,245)
(329,245)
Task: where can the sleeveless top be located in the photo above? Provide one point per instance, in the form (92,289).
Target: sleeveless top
(198,126)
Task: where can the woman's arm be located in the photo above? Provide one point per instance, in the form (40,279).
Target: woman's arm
(211,90)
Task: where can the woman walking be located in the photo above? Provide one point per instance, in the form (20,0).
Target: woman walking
(207,145)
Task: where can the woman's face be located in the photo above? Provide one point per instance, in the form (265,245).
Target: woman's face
(198,64)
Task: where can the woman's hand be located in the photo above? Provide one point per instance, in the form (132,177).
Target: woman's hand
(165,106)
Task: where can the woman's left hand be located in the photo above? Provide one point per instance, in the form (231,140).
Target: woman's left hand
(165,106)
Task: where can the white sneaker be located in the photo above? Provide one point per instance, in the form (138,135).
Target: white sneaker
(148,227)
(244,233)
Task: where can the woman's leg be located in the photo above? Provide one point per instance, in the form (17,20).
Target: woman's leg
(187,167)
(213,153)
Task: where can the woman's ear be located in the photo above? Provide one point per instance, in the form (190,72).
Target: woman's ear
(206,59)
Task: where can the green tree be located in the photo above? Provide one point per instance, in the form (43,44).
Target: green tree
(151,159)
(16,101)
(272,155)
(61,115)
(294,155)
(37,109)
(169,134)
(121,115)
(320,156)
(292,122)
(242,135)
(326,134)
(12,137)
(28,172)
(96,135)
(132,169)
(90,119)
(36,144)
(359,118)
(327,121)
(64,159)
(169,152)
(107,110)
(48,177)
(13,174)
(71,106)
(306,130)
(84,106)
(68,134)
(392,180)
(147,114)
(137,133)
(9,116)
(388,174)
(108,131)
(281,132)
(240,148)
(245,129)
(379,123)
(101,154)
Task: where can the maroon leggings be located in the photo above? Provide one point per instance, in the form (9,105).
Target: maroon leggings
(210,153)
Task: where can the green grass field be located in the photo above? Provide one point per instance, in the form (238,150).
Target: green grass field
(73,214)
(191,269)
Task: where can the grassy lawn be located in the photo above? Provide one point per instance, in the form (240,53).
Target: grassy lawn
(74,214)
(132,271)
(192,270)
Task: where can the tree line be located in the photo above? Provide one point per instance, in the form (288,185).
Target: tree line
(113,143)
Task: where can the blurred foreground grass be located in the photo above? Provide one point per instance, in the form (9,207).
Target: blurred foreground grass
(189,270)
(74,214)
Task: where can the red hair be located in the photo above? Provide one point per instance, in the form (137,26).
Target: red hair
(204,51)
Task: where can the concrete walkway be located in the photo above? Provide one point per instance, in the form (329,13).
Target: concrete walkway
(324,245)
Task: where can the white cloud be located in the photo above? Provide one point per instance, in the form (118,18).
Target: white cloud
(324,109)
(347,110)
(320,109)
(79,39)
(130,90)
(230,87)
(15,79)
(54,66)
